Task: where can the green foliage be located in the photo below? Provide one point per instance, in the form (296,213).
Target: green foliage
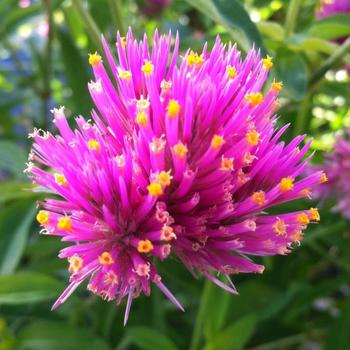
(300,299)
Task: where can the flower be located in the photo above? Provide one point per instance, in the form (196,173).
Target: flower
(181,159)
(337,168)
(332,7)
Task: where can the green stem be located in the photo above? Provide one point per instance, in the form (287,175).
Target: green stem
(46,93)
(302,116)
(339,53)
(90,24)
(197,330)
(292,15)
(116,11)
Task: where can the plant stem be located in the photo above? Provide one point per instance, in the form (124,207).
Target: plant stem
(340,52)
(197,330)
(116,11)
(292,14)
(46,93)
(90,24)
(301,118)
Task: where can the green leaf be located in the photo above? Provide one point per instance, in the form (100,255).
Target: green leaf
(292,71)
(272,30)
(46,335)
(15,221)
(76,72)
(339,336)
(28,287)
(332,27)
(10,190)
(12,158)
(149,339)
(217,307)
(235,336)
(234,18)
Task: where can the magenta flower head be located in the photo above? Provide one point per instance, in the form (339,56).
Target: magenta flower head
(337,168)
(332,7)
(182,157)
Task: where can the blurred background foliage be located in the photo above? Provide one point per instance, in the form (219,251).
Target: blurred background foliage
(301,301)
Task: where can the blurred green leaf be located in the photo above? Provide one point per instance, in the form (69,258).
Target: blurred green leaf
(339,336)
(10,190)
(48,335)
(15,221)
(28,287)
(273,30)
(76,72)
(292,71)
(217,306)
(149,339)
(331,27)
(235,336)
(12,158)
(232,15)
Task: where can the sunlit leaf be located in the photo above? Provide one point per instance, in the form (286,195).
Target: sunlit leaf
(231,15)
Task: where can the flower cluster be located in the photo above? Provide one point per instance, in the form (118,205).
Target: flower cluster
(337,168)
(182,157)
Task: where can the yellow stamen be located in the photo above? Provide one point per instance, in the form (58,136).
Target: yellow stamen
(173,108)
(42,217)
(147,67)
(277,85)
(259,197)
(180,150)
(324,178)
(231,71)
(105,259)
(314,214)
(267,62)
(94,59)
(145,246)
(93,145)
(226,164)
(167,233)
(280,227)
(217,142)
(123,41)
(252,137)
(60,179)
(254,98)
(303,219)
(124,74)
(155,189)
(164,178)
(286,184)
(75,263)
(64,223)
(194,59)
(141,119)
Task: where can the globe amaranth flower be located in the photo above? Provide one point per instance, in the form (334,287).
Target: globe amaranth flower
(337,168)
(182,158)
(332,7)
